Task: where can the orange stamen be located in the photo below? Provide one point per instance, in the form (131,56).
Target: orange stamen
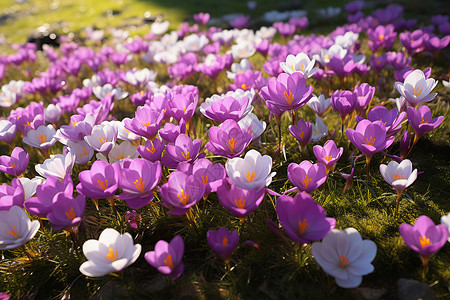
(370,141)
(224,241)
(111,256)
(205,179)
(70,215)
(302,226)
(289,97)
(424,241)
(398,176)
(103,185)
(139,184)
(43,138)
(344,260)
(240,203)
(183,197)
(231,144)
(329,157)
(13,232)
(185,155)
(168,261)
(250,177)
(306,181)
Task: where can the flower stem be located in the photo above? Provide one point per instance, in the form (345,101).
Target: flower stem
(399,196)
(416,139)
(425,261)
(368,168)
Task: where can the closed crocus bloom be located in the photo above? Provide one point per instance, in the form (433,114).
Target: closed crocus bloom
(343,102)
(151,150)
(240,202)
(183,106)
(391,118)
(299,63)
(345,256)
(16,228)
(43,137)
(251,172)
(405,143)
(170,132)
(111,253)
(181,192)
(307,177)
(303,220)
(210,174)
(11,195)
(101,181)
(58,165)
(422,121)
(228,140)
(319,130)
(52,113)
(41,204)
(119,152)
(146,122)
(102,138)
(184,149)
(138,179)
(287,92)
(15,164)
(302,133)
(66,211)
(223,241)
(232,105)
(167,257)
(364,93)
(7,131)
(319,104)
(416,88)
(328,155)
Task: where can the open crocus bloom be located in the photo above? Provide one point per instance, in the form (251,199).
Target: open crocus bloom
(167,257)
(16,228)
(299,63)
(223,241)
(345,256)
(416,88)
(399,175)
(111,253)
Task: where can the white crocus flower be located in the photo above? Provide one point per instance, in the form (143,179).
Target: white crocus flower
(43,137)
(123,133)
(102,138)
(445,220)
(52,113)
(319,104)
(7,130)
(194,43)
(319,130)
(30,185)
(112,252)
(253,125)
(243,50)
(347,40)
(299,63)
(119,152)
(327,54)
(140,77)
(238,68)
(416,88)
(266,32)
(16,228)
(159,28)
(58,165)
(399,102)
(399,175)
(83,152)
(345,256)
(251,172)
(108,90)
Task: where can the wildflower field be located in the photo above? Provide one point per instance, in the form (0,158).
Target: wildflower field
(258,150)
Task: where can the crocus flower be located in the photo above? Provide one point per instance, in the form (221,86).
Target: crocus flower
(30,185)
(111,253)
(424,237)
(391,118)
(182,106)
(166,257)
(16,228)
(328,155)
(319,104)
(83,152)
(422,121)
(399,176)
(251,172)
(416,89)
(445,220)
(66,211)
(184,149)
(152,149)
(102,138)
(319,130)
(381,37)
(344,103)
(405,143)
(43,137)
(307,177)
(287,92)
(58,165)
(345,256)
(138,179)
(11,195)
(303,220)
(251,124)
(101,181)
(146,122)
(240,202)
(170,132)
(133,218)
(181,192)
(201,18)
(119,151)
(228,140)
(223,241)
(211,175)
(299,63)
(302,133)
(16,164)
(7,131)
(233,105)
(364,94)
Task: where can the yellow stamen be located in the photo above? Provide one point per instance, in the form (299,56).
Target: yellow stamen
(185,155)
(231,144)
(183,197)
(73,123)
(111,256)
(146,124)
(422,120)
(344,260)
(306,181)
(120,157)
(240,203)
(329,157)
(302,226)
(244,87)
(381,37)
(139,184)
(43,138)
(142,93)
(418,92)
(205,179)
(303,67)
(370,141)
(103,185)
(168,261)
(13,232)
(70,215)
(103,140)
(424,241)
(289,97)
(398,176)
(250,177)
(152,150)
(13,166)
(224,241)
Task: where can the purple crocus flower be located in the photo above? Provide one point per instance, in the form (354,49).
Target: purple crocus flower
(170,132)
(228,140)
(381,37)
(79,127)
(287,92)
(233,105)
(378,62)
(302,133)
(364,94)
(139,178)
(424,237)
(434,43)
(101,181)
(184,149)
(354,7)
(370,137)
(422,121)
(181,192)
(166,257)
(182,106)
(223,241)
(41,204)
(303,220)
(405,143)
(307,177)
(66,211)
(343,102)
(201,18)
(272,66)
(146,122)
(342,67)
(16,164)
(413,41)
(240,202)
(151,150)
(398,60)
(391,118)
(11,195)
(210,174)
(328,155)
(285,29)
